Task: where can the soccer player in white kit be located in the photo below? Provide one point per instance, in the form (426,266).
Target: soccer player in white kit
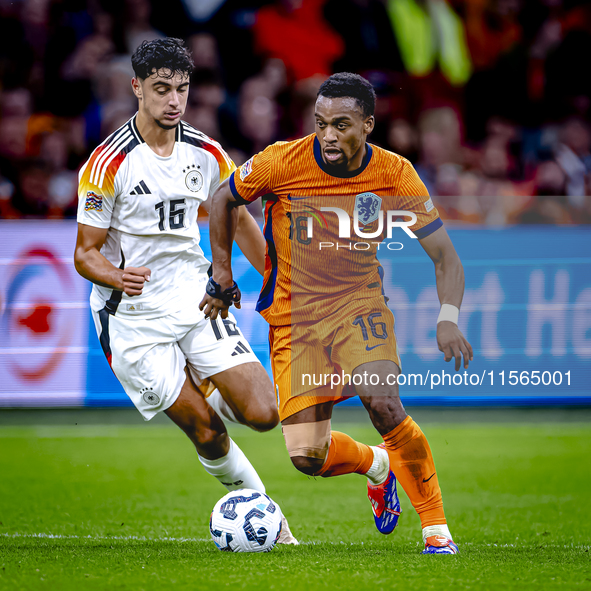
(138,243)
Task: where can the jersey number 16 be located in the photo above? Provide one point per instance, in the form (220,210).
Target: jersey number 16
(176,214)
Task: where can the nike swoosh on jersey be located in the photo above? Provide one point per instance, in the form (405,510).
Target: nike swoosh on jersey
(368,348)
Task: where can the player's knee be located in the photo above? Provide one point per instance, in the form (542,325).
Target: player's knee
(307,465)
(265,419)
(307,445)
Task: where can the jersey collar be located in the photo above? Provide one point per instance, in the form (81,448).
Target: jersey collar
(178,132)
(136,131)
(346,174)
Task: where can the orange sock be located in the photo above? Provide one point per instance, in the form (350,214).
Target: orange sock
(346,456)
(412,463)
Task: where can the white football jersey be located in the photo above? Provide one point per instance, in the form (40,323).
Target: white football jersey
(149,204)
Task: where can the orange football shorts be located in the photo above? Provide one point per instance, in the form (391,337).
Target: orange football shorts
(311,360)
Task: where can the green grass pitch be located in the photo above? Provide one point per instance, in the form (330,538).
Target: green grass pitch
(126,506)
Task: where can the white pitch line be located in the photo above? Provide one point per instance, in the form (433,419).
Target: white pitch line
(104,538)
(145,539)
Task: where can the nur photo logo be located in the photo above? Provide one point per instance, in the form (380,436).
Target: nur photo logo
(366,213)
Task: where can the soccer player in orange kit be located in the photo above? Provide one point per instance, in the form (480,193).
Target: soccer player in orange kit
(323,299)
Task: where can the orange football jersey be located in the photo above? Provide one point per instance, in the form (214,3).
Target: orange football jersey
(316,261)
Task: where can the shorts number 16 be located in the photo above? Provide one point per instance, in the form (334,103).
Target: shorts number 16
(378,329)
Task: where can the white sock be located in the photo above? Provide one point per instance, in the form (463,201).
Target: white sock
(380,468)
(234,470)
(436,530)
(217,402)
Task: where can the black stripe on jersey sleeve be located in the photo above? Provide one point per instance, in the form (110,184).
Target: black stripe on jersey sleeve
(194,141)
(133,143)
(428,229)
(239,199)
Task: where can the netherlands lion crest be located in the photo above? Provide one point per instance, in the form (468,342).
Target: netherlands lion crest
(367,206)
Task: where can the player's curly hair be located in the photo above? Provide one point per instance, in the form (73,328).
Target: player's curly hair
(169,54)
(347,84)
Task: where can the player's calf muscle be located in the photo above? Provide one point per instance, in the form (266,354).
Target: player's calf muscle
(385,412)
(199,421)
(203,427)
(212,444)
(381,401)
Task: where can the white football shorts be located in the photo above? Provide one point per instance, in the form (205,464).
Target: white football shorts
(149,356)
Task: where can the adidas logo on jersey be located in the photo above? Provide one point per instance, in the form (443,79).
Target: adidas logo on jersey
(240,348)
(141,189)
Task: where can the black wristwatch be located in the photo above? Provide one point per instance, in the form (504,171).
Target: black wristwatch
(229,296)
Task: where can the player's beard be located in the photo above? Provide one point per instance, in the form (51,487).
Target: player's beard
(338,168)
(167,127)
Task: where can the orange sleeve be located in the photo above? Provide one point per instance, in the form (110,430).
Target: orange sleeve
(96,187)
(225,164)
(413,196)
(253,179)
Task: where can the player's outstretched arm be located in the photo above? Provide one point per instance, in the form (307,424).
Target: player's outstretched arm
(223,221)
(250,239)
(92,265)
(449,275)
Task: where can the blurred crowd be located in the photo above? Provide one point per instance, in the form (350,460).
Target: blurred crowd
(489,99)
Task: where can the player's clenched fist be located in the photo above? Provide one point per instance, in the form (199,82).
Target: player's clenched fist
(133,279)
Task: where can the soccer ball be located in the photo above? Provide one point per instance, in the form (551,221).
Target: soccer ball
(245,520)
